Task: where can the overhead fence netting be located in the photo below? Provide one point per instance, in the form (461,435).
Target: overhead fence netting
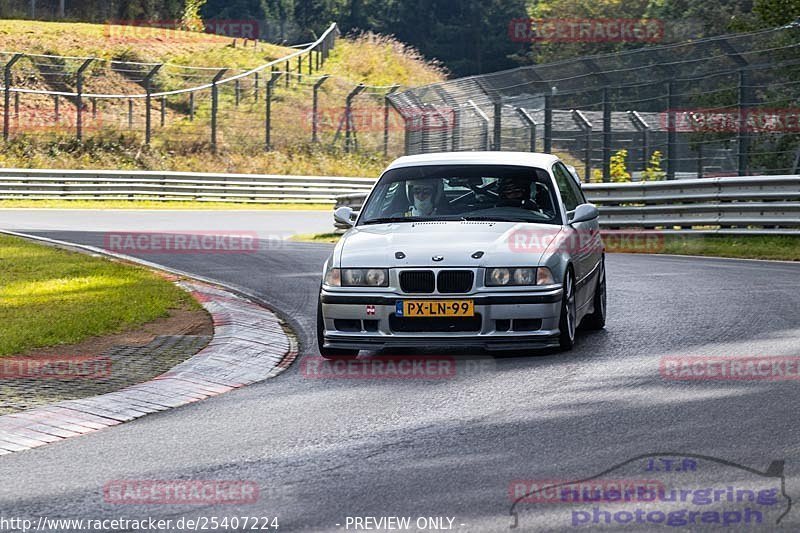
(718,106)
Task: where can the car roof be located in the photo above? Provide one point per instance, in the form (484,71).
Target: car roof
(525,159)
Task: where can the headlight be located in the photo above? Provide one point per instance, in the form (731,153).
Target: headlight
(365,277)
(497,276)
(502,276)
(524,276)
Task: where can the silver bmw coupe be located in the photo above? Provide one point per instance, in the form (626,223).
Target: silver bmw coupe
(495,250)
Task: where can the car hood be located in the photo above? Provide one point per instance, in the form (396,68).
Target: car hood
(454,242)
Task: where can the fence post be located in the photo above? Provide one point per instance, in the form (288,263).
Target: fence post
(606,136)
(455,110)
(744,136)
(498,126)
(484,119)
(586,126)
(57,108)
(299,68)
(148,88)
(163,111)
(191,106)
(528,119)
(641,125)
(548,124)
(236,92)
(314,108)
(700,159)
(671,137)
(94,108)
(268,119)
(348,132)
(7,94)
(392,89)
(288,70)
(79,98)
(255,88)
(215,106)
(310,62)
(130,113)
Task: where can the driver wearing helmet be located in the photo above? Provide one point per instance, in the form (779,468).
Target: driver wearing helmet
(515,192)
(424,196)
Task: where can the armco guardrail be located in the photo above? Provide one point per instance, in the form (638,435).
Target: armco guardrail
(738,205)
(17,184)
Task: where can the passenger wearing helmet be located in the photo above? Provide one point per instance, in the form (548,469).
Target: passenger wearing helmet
(515,192)
(424,196)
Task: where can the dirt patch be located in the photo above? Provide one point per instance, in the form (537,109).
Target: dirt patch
(180,322)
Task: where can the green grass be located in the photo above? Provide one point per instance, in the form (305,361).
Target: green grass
(52,297)
(153,204)
(775,247)
(746,247)
(330,238)
(125,43)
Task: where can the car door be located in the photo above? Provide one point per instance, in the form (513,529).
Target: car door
(583,235)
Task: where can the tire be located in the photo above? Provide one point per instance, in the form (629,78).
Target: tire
(330,353)
(569,313)
(597,320)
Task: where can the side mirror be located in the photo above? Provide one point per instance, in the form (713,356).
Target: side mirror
(345,216)
(584,213)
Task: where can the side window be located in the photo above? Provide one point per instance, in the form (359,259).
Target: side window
(570,193)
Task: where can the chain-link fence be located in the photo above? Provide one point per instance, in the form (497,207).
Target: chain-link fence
(288,102)
(719,106)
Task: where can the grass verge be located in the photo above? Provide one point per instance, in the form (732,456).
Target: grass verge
(330,238)
(52,297)
(777,247)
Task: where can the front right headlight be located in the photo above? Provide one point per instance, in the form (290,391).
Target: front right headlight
(365,277)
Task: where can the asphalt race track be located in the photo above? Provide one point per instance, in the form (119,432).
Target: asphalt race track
(322,450)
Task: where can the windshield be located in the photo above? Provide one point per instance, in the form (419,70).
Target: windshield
(500,193)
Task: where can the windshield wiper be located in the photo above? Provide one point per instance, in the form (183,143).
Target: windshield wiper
(389,220)
(494,219)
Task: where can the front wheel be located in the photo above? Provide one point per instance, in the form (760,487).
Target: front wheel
(569,313)
(330,353)
(597,320)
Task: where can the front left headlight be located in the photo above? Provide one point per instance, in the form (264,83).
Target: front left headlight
(365,277)
(504,277)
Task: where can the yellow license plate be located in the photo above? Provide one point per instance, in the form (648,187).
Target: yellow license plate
(423,308)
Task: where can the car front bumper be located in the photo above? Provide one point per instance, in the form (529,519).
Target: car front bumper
(503,321)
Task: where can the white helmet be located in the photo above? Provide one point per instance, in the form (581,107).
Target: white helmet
(424,195)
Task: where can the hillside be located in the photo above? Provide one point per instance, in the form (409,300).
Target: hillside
(114,136)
